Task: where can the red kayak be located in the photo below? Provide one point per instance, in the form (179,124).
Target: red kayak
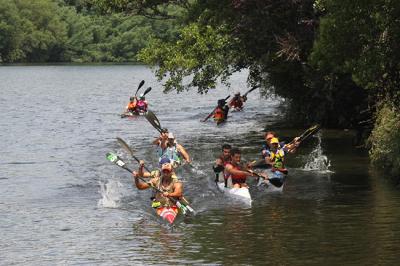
(167,213)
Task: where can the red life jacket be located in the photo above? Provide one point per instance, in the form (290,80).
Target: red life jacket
(219,114)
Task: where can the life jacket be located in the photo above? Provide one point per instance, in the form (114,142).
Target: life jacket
(219,114)
(171,153)
(131,106)
(141,106)
(277,158)
(164,201)
(237,176)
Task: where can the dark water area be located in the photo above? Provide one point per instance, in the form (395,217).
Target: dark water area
(63,203)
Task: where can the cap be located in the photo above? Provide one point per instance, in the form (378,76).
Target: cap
(274,140)
(170,135)
(166,166)
(237,93)
(141,95)
(164,160)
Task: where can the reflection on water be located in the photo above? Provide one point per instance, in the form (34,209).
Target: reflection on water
(64,203)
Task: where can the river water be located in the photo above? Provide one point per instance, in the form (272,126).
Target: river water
(63,203)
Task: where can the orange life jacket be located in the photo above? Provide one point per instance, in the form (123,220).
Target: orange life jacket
(219,114)
(131,105)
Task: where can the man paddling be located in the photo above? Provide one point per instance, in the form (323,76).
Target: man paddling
(141,106)
(237,102)
(222,161)
(290,148)
(131,107)
(239,172)
(168,188)
(169,148)
(221,111)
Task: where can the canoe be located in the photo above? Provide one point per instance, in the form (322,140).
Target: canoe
(167,213)
(242,193)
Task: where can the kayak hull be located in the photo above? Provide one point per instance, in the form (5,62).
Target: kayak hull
(242,193)
(167,213)
(131,114)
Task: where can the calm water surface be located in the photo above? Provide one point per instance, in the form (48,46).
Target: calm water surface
(62,203)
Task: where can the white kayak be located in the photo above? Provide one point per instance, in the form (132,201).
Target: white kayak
(242,193)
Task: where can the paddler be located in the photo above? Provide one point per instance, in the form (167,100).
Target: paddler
(239,172)
(141,106)
(221,111)
(290,148)
(169,187)
(169,148)
(276,157)
(222,161)
(237,102)
(131,107)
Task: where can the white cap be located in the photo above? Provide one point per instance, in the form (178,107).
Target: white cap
(141,95)
(171,136)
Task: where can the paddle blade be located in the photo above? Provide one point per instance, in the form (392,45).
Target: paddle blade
(147,91)
(140,85)
(125,146)
(151,117)
(112,157)
(277,182)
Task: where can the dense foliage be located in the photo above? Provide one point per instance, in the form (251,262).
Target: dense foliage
(54,31)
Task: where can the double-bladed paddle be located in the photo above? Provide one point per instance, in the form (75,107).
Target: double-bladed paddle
(140,85)
(214,110)
(118,161)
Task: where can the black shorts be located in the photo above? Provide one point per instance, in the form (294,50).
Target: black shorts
(238,181)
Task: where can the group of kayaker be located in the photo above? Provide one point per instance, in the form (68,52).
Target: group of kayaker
(137,106)
(228,166)
(220,113)
(229,162)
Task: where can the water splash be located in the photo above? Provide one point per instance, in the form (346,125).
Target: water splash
(111,195)
(317,161)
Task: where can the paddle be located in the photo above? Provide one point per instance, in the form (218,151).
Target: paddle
(118,161)
(277,182)
(127,148)
(307,133)
(252,89)
(152,118)
(147,91)
(140,85)
(214,110)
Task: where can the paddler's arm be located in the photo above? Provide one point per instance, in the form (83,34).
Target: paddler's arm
(178,189)
(229,168)
(184,153)
(292,146)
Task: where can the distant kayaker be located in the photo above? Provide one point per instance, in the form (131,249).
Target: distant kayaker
(141,106)
(221,111)
(237,102)
(239,172)
(131,107)
(170,187)
(169,148)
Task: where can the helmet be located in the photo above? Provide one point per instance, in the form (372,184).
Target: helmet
(274,140)
(164,160)
(170,135)
(237,93)
(141,96)
(221,102)
(132,98)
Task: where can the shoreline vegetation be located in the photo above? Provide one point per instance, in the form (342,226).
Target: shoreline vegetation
(336,62)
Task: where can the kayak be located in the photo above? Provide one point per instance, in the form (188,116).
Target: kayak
(167,213)
(131,114)
(242,193)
